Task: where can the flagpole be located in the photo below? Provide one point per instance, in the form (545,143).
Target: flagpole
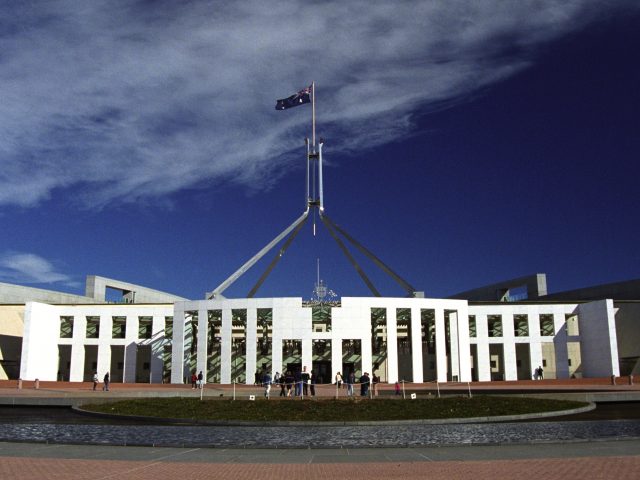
(313,116)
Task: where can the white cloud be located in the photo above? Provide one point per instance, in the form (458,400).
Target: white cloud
(119,100)
(19,267)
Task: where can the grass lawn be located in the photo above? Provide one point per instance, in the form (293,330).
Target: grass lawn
(331,409)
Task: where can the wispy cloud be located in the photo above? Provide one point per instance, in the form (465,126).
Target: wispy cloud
(113,101)
(30,268)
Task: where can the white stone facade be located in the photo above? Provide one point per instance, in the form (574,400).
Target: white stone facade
(412,339)
(43,342)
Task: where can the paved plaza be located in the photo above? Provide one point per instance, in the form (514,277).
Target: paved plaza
(547,449)
(618,460)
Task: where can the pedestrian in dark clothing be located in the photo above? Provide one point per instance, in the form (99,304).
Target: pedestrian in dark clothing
(105,387)
(194,380)
(313,384)
(364,384)
(200,379)
(288,380)
(95,381)
(374,384)
(304,377)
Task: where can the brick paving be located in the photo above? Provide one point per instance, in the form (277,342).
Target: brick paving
(619,468)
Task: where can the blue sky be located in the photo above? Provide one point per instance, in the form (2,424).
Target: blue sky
(466,142)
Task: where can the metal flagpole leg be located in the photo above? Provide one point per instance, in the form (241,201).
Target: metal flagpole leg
(313,115)
(238,273)
(350,257)
(385,268)
(276,259)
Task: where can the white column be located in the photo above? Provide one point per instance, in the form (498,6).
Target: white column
(336,357)
(225,349)
(104,345)
(307,353)
(484,359)
(367,353)
(441,349)
(416,345)
(252,348)
(76,373)
(392,345)
(560,345)
(454,351)
(201,353)
(464,346)
(509,348)
(177,345)
(131,349)
(535,348)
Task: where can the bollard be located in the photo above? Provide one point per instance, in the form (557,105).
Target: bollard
(630,379)
(19,384)
(37,384)
(613,379)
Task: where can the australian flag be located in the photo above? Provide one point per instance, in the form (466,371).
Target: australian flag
(303,96)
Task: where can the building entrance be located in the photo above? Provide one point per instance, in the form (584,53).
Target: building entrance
(322,371)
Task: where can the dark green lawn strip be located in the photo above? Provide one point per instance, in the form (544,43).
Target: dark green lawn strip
(332,410)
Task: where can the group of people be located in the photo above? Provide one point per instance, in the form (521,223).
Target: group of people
(197,381)
(297,383)
(365,382)
(106,381)
(538,374)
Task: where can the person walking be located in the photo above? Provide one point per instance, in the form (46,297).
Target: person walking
(194,380)
(200,379)
(95,381)
(105,386)
(288,380)
(266,383)
(339,379)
